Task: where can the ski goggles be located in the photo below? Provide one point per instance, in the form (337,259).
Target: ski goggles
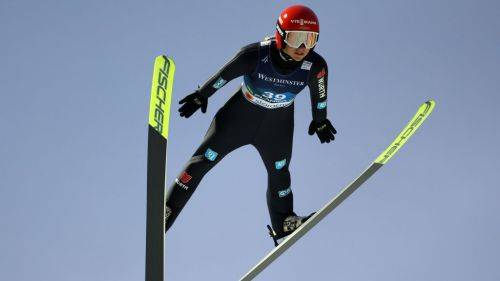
(295,38)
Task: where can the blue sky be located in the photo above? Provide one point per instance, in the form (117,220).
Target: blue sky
(74,94)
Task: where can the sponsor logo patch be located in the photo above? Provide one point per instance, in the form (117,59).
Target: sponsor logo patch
(219,83)
(265,43)
(248,96)
(280,164)
(306,65)
(185,177)
(321,87)
(211,155)
(322,105)
(303,21)
(280,82)
(181,184)
(160,98)
(283,193)
(321,73)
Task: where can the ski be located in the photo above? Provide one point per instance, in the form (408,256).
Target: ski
(422,113)
(159,113)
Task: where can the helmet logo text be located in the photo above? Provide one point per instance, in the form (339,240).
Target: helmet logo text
(303,21)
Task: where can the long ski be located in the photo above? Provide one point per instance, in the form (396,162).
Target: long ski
(159,113)
(381,160)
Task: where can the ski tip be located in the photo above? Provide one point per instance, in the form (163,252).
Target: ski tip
(161,94)
(431,103)
(417,120)
(162,58)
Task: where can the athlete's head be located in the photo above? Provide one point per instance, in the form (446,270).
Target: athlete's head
(297,31)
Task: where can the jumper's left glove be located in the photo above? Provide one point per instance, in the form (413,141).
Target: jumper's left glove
(324,129)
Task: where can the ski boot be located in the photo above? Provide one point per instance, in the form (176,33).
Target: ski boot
(290,224)
(293,222)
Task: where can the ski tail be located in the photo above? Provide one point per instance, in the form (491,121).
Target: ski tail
(417,120)
(159,115)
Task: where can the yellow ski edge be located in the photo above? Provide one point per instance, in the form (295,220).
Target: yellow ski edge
(161,94)
(417,120)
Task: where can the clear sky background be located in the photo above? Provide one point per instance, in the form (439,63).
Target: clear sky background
(75,80)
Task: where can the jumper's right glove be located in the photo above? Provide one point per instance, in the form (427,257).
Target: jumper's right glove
(324,129)
(191,103)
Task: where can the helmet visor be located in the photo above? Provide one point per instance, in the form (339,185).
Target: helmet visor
(296,38)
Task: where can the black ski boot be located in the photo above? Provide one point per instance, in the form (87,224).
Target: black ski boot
(290,224)
(293,222)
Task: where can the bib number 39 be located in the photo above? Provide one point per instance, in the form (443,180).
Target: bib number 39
(274,97)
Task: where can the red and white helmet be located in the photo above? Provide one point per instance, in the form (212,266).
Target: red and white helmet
(297,25)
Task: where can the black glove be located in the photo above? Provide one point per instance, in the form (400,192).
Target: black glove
(324,129)
(191,103)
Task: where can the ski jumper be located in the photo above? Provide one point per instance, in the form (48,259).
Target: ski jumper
(260,113)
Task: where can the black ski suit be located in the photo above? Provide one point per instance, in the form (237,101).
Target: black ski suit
(260,113)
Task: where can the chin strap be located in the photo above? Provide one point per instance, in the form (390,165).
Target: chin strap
(285,56)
